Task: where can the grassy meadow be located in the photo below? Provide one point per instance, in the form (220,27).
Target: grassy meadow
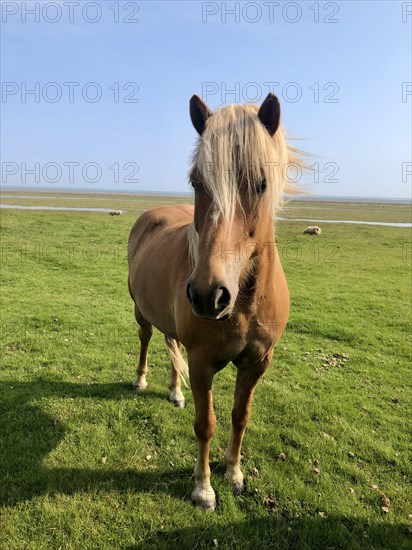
(85,463)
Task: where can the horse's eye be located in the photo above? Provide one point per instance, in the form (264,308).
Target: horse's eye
(261,187)
(193,184)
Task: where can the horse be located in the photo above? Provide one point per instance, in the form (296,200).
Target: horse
(209,276)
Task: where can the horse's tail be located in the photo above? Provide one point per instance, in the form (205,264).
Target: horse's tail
(177,359)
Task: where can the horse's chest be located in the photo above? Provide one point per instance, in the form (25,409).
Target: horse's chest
(244,336)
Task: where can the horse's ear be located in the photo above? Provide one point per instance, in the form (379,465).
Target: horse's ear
(199,113)
(269,113)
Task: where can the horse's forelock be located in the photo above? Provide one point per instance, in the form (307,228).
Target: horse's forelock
(235,144)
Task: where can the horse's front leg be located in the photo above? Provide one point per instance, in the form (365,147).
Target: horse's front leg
(201,377)
(247,377)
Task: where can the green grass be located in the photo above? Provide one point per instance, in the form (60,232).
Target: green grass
(75,439)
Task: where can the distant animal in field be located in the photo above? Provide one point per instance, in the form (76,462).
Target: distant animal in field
(116,213)
(313,230)
(186,280)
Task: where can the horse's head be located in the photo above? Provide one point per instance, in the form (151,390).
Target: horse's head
(237,176)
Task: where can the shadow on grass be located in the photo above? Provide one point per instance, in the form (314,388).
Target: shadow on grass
(28,435)
(277,532)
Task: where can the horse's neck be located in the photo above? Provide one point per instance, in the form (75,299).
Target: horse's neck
(262,270)
(266,259)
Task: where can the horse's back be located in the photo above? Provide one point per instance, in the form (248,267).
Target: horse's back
(158,262)
(155,223)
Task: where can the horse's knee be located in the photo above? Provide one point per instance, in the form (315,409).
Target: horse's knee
(145,333)
(205,427)
(240,417)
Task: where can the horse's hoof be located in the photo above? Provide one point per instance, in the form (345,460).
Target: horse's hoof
(204,497)
(177,398)
(139,386)
(237,481)
(238,489)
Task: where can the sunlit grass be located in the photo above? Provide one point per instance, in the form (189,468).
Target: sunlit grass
(75,440)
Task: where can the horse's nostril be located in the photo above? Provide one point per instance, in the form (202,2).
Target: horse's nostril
(191,295)
(209,304)
(189,292)
(222,298)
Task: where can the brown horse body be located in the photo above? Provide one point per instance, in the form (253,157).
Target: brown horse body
(210,278)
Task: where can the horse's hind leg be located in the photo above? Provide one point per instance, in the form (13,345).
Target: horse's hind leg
(145,333)
(178,366)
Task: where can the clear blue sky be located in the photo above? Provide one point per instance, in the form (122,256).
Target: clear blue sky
(173,51)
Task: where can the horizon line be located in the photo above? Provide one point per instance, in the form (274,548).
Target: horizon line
(110,191)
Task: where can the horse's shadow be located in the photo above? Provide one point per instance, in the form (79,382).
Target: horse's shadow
(28,435)
(276,532)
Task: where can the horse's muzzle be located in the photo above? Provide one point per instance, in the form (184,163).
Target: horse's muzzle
(213,303)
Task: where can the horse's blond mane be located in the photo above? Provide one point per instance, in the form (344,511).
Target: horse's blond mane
(236,144)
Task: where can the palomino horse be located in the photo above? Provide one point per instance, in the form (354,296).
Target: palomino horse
(210,277)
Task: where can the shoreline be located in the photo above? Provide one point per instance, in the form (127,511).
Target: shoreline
(5,193)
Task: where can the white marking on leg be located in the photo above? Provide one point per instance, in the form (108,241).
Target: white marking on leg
(233,471)
(140,383)
(177,397)
(204,496)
